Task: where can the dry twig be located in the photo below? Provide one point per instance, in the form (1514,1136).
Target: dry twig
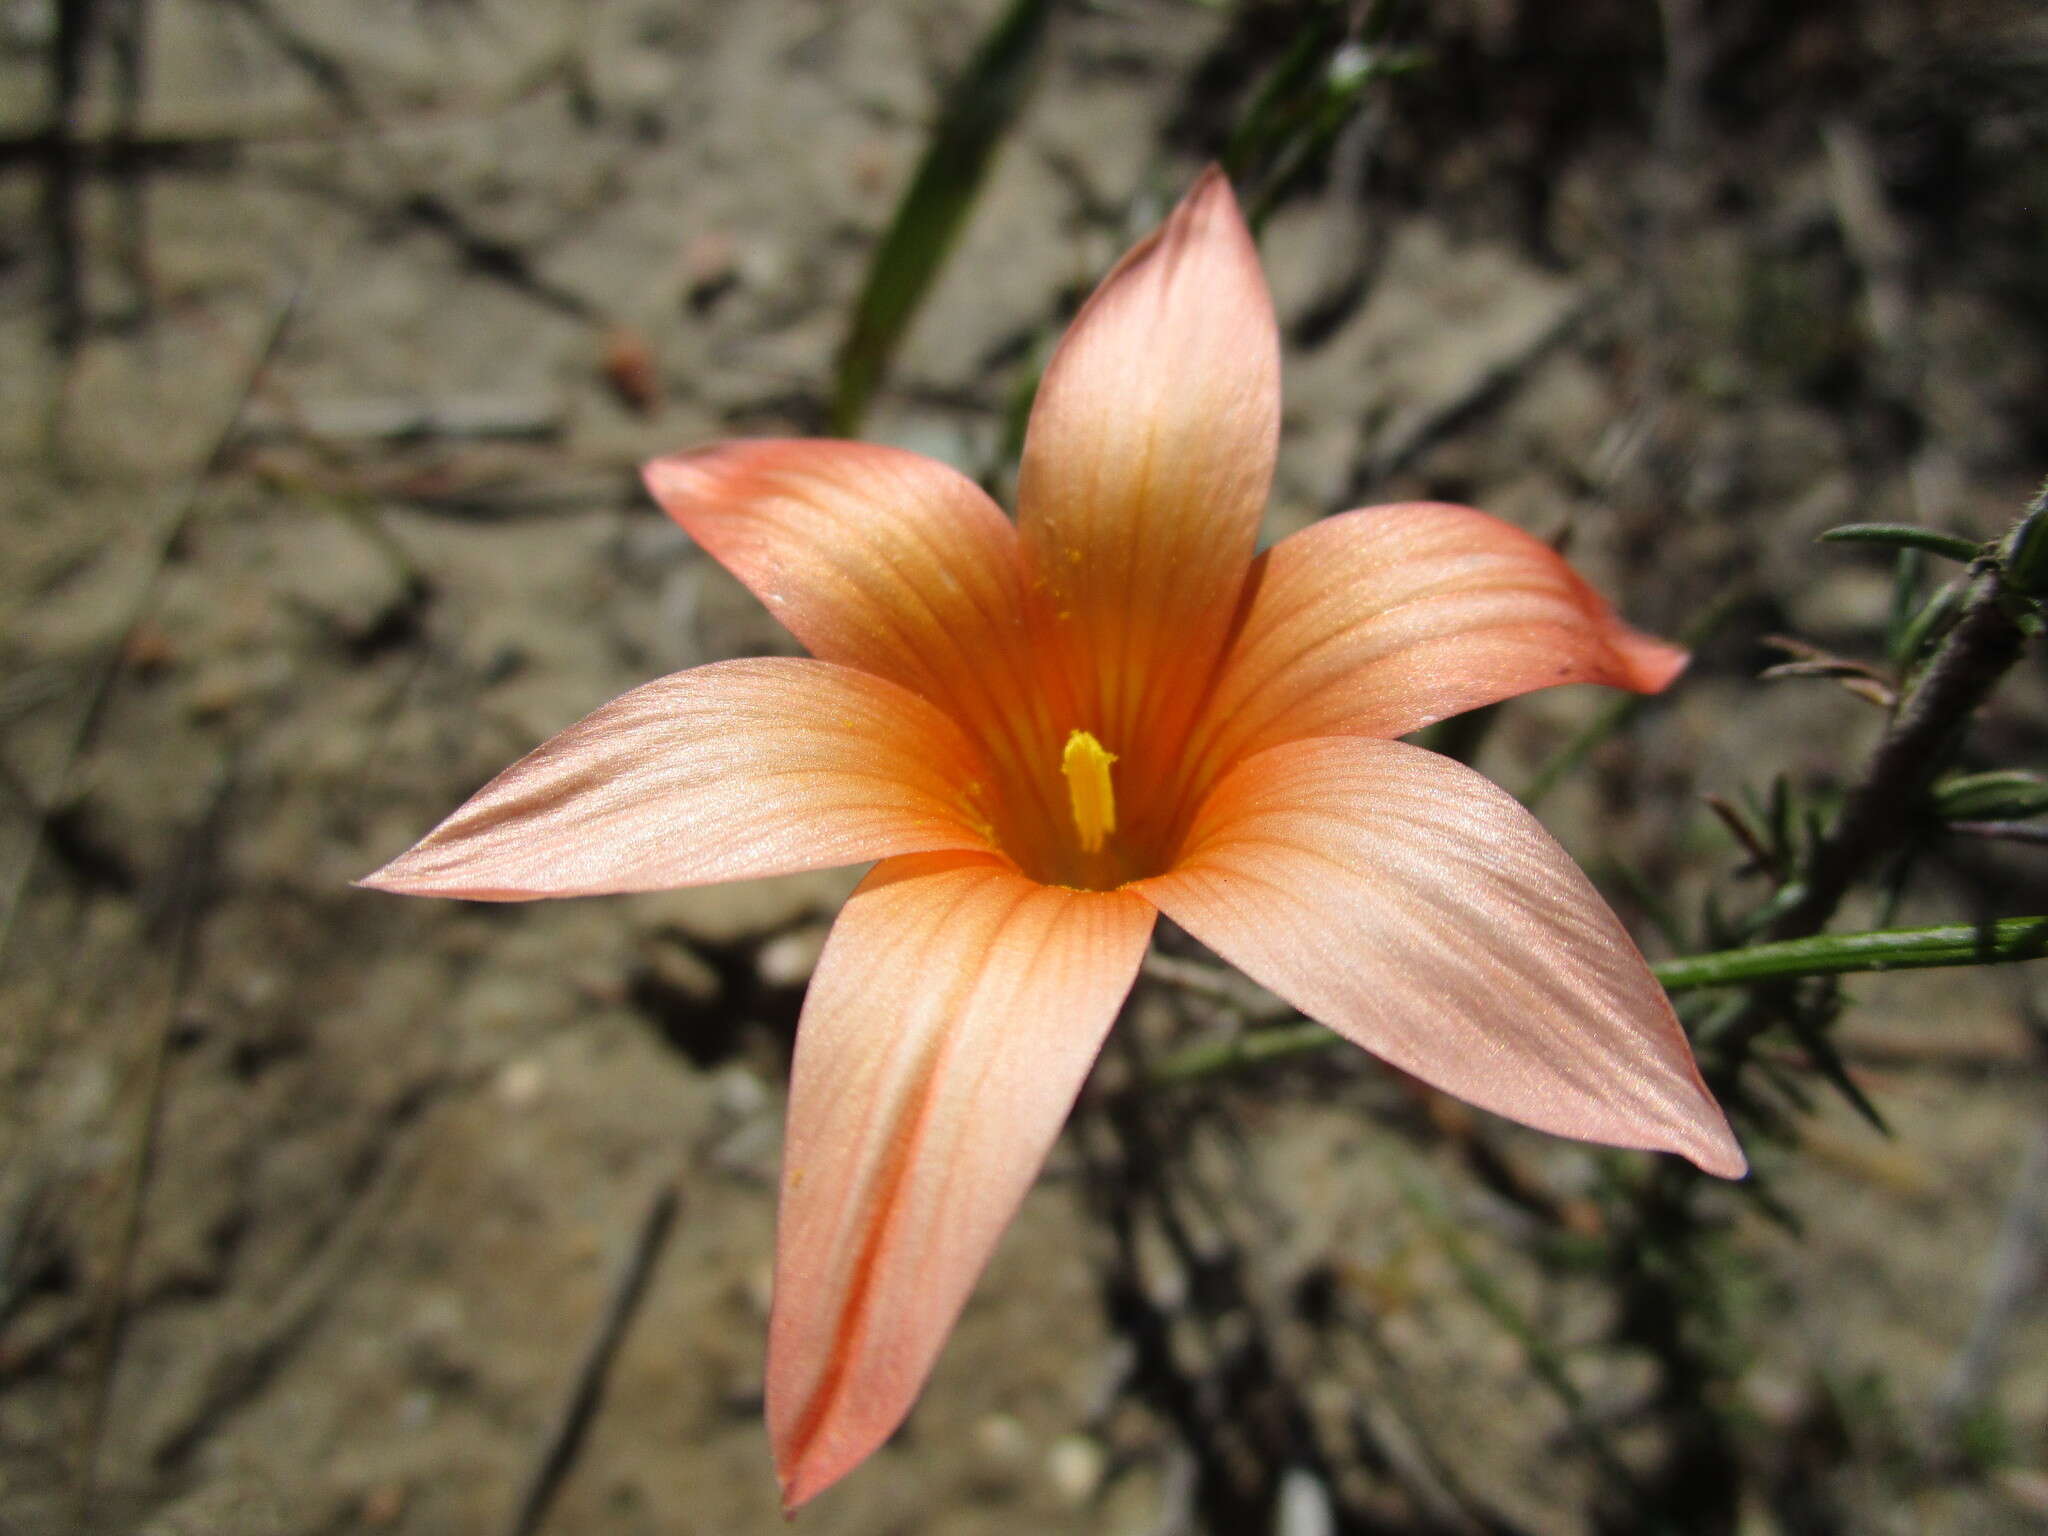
(565,1436)
(163,538)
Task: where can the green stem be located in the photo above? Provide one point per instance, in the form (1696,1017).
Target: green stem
(1885,949)
(1244,1050)
(2004,942)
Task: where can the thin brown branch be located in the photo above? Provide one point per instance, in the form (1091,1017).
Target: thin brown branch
(2003,831)
(1881,809)
(1739,828)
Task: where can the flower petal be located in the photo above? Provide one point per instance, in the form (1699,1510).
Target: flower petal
(1376,623)
(742,768)
(873,557)
(1419,911)
(1146,470)
(954,1015)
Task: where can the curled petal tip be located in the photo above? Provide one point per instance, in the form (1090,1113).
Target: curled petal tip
(1722,1156)
(1379,621)
(1652,665)
(676,474)
(800,1484)
(423,870)
(801,1474)
(394,877)
(1212,189)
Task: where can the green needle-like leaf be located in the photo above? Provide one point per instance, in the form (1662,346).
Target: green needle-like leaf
(1905,536)
(2007,794)
(1934,616)
(2025,551)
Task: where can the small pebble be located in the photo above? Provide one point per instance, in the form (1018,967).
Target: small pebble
(1075,1466)
(217,691)
(148,648)
(259,988)
(679,969)
(740,1093)
(709,258)
(751,1152)
(1303,1506)
(629,367)
(1779,1401)
(872,166)
(760,1287)
(788,959)
(520,1083)
(1002,1443)
(383,1505)
(1161,1272)
(764,265)
(2025,1487)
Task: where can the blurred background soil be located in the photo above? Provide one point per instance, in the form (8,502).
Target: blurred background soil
(334,336)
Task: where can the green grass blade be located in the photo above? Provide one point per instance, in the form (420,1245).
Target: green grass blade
(1269,120)
(1248,1049)
(979,110)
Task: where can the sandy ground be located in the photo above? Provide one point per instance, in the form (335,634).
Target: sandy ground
(401,1150)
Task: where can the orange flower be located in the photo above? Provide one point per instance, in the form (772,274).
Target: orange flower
(1049,732)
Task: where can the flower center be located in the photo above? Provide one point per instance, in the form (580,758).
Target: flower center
(1085,763)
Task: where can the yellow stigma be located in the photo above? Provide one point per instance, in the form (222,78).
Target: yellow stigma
(1086,766)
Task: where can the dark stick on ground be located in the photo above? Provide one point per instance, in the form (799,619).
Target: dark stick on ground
(60,173)
(179,907)
(101,686)
(429,210)
(2013,1274)
(565,1437)
(125,154)
(322,68)
(374,1178)
(128,42)
(491,256)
